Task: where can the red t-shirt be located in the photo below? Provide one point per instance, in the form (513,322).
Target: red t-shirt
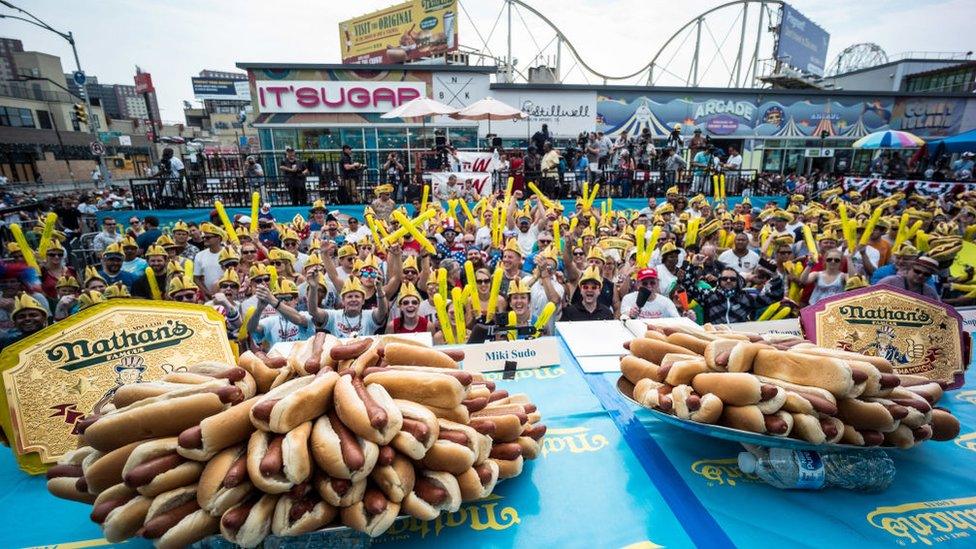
(419,328)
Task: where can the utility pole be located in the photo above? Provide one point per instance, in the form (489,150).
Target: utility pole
(34,20)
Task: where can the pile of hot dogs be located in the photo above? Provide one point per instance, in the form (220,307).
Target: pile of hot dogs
(785,388)
(353,433)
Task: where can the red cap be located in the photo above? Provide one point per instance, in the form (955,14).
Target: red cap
(646,273)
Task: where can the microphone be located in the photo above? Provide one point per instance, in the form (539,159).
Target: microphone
(643,294)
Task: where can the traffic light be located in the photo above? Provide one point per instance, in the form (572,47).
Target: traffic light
(81,115)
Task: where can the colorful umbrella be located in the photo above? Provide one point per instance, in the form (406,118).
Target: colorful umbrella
(889,139)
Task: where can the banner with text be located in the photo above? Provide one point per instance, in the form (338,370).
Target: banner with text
(402,32)
(480,182)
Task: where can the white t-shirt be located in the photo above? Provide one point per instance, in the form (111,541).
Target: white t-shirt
(526,240)
(657,307)
(340,325)
(300,260)
(742,265)
(873,255)
(538,298)
(276,329)
(734,162)
(207,265)
(360,233)
(482,238)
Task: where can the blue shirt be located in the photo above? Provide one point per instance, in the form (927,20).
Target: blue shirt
(148,238)
(137,267)
(125,278)
(891,270)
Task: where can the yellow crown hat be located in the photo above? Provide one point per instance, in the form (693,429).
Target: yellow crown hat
(298,222)
(512,246)
(410,262)
(285,287)
(209,229)
(385,188)
(709,228)
(591,274)
(667,248)
(277,254)
(672,191)
(229,276)
(318,205)
(596,253)
(588,232)
(855,282)
(117,290)
(156,250)
(352,284)
(55,244)
(89,298)
(129,242)
(243,233)
(114,248)
(314,260)
(67,282)
(408,290)
(13,248)
(370,261)
(346,250)
(181,226)
(518,287)
(25,301)
(91,274)
(258,269)
(228,254)
(289,234)
(179,284)
(174,267)
(165,241)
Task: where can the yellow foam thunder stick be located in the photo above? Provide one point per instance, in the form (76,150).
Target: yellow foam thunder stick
(512,323)
(496,286)
(153,284)
(846,227)
(473,285)
(442,282)
(391,238)
(869,228)
(255,201)
(811,245)
(424,197)
(417,235)
(544,316)
(24,247)
(49,220)
(546,201)
(228,226)
(460,330)
(242,333)
(441,308)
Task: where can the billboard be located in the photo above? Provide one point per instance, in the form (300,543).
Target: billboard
(399,33)
(144,83)
(801,44)
(305,96)
(220,89)
(567,113)
(926,117)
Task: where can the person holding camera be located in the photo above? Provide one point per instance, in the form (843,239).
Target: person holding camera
(703,164)
(351,173)
(254,174)
(394,174)
(295,172)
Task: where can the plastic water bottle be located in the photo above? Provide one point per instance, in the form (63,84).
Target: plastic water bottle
(868,471)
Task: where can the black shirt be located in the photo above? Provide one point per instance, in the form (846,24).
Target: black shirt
(293,163)
(577,312)
(605,298)
(347,173)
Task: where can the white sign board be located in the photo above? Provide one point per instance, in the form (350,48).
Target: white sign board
(527,354)
(302,96)
(458,90)
(125,141)
(566,113)
(788,326)
(476,161)
(438,180)
(968,315)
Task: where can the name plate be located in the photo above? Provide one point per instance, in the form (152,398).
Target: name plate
(62,373)
(527,354)
(918,335)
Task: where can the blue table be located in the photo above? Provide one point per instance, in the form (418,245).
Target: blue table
(611,476)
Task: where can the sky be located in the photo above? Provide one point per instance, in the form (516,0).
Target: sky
(176,39)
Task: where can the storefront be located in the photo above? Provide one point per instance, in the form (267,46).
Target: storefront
(319,108)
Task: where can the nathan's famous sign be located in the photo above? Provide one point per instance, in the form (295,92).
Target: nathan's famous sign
(59,375)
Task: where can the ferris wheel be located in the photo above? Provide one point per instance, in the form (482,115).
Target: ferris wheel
(857,56)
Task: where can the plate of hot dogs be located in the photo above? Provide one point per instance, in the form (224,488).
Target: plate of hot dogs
(780,393)
(351,434)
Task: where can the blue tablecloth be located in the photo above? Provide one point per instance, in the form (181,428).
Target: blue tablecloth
(612,476)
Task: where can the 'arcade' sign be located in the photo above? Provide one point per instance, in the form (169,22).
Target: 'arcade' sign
(303,96)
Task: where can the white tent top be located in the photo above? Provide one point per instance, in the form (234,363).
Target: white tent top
(488,109)
(420,106)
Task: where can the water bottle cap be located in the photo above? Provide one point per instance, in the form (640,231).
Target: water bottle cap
(747,462)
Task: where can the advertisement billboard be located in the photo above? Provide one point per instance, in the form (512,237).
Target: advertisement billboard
(144,83)
(220,89)
(306,96)
(567,113)
(928,117)
(400,33)
(801,44)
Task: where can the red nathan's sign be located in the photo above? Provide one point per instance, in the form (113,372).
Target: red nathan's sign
(144,83)
(296,96)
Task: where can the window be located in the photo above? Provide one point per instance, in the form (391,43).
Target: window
(17,118)
(44,120)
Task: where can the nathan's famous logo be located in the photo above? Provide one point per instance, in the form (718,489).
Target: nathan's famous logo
(927,521)
(485,514)
(967,441)
(84,352)
(577,440)
(547,372)
(722,471)
(856,314)
(969,396)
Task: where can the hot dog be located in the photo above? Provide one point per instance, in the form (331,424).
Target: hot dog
(235,375)
(636,368)
(945,426)
(224,481)
(348,351)
(294,402)
(656,395)
(456,449)
(705,408)
(681,372)
(249,522)
(832,374)
(873,416)
(653,350)
(750,418)
(418,431)
(741,389)
(373,515)
(264,368)
(478,481)
(368,411)
(175,520)
(339,492)
(397,353)
(213,434)
(103,471)
(434,389)
(395,478)
(826,430)
(310,356)
(120,511)
(801,399)
(276,463)
(340,452)
(63,478)
(881,363)
(729,355)
(155,467)
(433,492)
(301,513)
(861,437)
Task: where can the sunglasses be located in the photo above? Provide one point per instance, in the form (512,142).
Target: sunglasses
(832,260)
(409,302)
(261,279)
(483,280)
(545,242)
(286,298)
(187,296)
(466,241)
(228,264)
(280,263)
(784,252)
(291,243)
(134,222)
(648,282)
(109,224)
(727,278)
(249,252)
(55,254)
(368,274)
(228,286)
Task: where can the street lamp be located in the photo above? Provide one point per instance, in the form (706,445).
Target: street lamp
(34,20)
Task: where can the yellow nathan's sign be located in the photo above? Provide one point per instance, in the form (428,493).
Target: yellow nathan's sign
(66,371)
(918,335)
(927,522)
(399,33)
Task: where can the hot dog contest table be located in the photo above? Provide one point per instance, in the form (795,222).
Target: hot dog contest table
(610,475)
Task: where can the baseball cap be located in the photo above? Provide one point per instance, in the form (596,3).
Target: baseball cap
(646,273)
(927,264)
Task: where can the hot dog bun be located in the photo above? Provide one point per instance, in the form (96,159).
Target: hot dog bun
(120,511)
(397,353)
(439,390)
(256,525)
(326,446)
(215,492)
(377,421)
(219,431)
(440,486)
(312,514)
(832,374)
(298,401)
(157,462)
(194,524)
(293,467)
